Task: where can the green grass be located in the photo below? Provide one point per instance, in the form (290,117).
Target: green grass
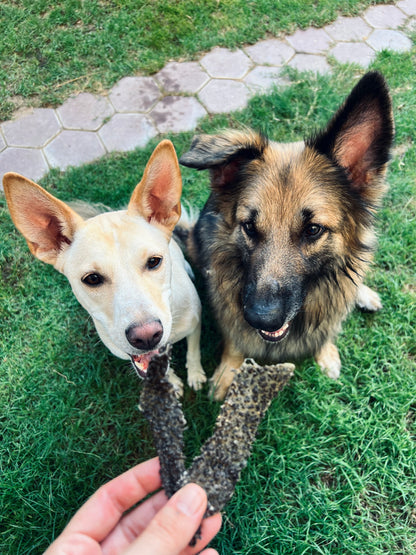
(51,50)
(333,469)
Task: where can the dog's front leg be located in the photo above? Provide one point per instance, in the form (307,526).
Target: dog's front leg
(329,361)
(196,374)
(221,380)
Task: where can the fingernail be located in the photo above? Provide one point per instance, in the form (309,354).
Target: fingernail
(189,499)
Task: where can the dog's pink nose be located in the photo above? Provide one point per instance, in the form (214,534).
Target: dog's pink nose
(146,336)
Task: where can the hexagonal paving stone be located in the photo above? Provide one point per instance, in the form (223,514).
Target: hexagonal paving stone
(33,129)
(73,148)
(348,29)
(262,78)
(2,143)
(310,41)
(126,132)
(353,53)
(134,94)
(224,95)
(271,52)
(85,111)
(177,113)
(386,39)
(222,63)
(408,6)
(384,17)
(29,162)
(185,77)
(310,62)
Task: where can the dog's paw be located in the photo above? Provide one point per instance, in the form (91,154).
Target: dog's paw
(329,361)
(176,382)
(367,299)
(220,382)
(196,377)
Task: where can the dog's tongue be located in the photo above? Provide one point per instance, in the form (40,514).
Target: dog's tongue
(141,362)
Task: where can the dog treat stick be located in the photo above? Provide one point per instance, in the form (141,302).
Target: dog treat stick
(223,456)
(217,469)
(163,411)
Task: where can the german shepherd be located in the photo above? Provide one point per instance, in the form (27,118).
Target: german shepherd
(124,267)
(286,236)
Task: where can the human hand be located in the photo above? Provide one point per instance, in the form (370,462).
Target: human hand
(158,526)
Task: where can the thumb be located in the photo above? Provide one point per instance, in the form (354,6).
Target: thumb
(174,525)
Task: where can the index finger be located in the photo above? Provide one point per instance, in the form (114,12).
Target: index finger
(98,516)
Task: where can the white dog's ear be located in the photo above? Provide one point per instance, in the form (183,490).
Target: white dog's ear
(47,223)
(157,197)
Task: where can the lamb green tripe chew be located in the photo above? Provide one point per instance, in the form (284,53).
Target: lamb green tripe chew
(223,456)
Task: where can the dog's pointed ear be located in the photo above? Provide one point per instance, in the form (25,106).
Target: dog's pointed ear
(157,197)
(360,135)
(47,223)
(225,155)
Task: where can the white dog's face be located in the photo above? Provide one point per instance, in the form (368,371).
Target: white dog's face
(119,269)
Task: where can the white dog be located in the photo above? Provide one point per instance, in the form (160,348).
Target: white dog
(124,267)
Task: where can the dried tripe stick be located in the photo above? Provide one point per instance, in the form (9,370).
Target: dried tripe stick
(223,456)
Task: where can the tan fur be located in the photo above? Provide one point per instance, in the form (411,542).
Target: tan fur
(117,246)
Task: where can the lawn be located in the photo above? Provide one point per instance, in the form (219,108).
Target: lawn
(334,465)
(50,50)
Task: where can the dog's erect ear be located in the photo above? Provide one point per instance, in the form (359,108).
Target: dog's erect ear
(360,135)
(47,223)
(224,155)
(157,197)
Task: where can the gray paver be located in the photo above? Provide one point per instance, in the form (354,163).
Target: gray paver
(73,148)
(29,162)
(85,111)
(126,132)
(185,77)
(310,41)
(134,94)
(385,39)
(408,6)
(34,129)
(177,113)
(224,95)
(262,78)
(225,64)
(2,143)
(384,17)
(353,53)
(348,29)
(271,52)
(310,62)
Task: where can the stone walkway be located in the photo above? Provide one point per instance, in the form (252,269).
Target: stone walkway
(136,109)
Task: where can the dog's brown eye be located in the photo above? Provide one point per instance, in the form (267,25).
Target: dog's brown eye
(249,228)
(154,262)
(93,280)
(313,231)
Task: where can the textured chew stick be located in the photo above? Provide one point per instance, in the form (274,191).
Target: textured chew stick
(223,456)
(217,469)
(160,406)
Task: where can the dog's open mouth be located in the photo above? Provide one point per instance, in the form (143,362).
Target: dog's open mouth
(141,362)
(276,335)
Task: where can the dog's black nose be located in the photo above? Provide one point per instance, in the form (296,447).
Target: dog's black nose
(145,336)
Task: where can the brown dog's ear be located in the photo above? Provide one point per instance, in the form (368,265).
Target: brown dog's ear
(47,223)
(360,135)
(157,197)
(224,155)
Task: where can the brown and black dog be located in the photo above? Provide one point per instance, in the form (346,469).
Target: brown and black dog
(286,236)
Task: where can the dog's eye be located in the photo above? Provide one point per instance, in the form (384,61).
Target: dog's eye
(313,231)
(249,228)
(93,279)
(154,262)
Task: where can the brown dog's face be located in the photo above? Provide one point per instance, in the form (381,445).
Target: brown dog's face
(294,217)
